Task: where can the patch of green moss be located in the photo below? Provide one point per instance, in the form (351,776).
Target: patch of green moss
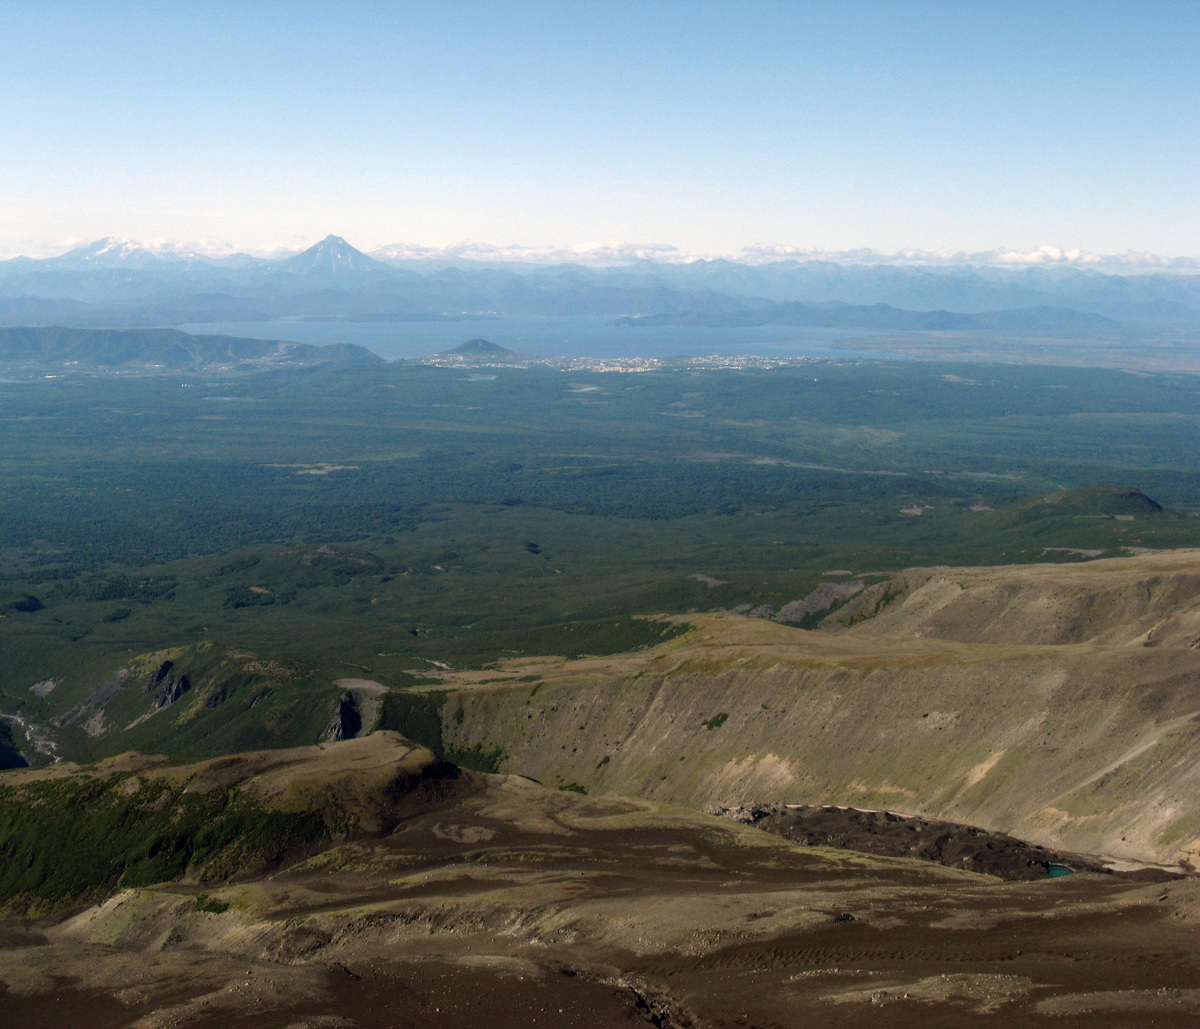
(1179,829)
(559,783)
(210,904)
(417,716)
(716,721)
(477,758)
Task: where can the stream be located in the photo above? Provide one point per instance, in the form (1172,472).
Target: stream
(36,735)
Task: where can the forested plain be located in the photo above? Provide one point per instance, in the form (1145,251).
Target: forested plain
(379,520)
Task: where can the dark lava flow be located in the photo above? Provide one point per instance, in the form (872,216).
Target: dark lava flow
(894,835)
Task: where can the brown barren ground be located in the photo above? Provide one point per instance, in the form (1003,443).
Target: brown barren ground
(517,905)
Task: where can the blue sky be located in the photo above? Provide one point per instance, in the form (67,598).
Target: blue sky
(710,126)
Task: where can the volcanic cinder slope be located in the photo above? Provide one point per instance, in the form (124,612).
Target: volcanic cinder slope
(1058,703)
(492,900)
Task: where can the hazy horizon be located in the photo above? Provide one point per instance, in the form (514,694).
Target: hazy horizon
(612,252)
(578,128)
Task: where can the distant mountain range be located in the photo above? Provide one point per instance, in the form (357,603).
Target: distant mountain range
(123,284)
(1056,320)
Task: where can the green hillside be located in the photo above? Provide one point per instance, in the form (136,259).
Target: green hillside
(55,349)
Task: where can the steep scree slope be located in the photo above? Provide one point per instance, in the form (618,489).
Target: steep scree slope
(1058,703)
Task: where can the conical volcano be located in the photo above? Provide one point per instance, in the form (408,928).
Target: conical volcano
(333,255)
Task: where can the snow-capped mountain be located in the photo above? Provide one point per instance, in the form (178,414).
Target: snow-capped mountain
(113,252)
(605,253)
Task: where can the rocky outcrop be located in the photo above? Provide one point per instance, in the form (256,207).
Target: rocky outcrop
(825,596)
(346,723)
(165,688)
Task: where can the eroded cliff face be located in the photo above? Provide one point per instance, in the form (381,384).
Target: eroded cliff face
(1069,716)
(1153,600)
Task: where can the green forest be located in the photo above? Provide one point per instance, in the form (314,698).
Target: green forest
(381,520)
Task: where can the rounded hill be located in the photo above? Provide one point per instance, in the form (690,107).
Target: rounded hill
(480,348)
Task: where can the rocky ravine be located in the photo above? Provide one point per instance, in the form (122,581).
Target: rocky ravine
(1058,703)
